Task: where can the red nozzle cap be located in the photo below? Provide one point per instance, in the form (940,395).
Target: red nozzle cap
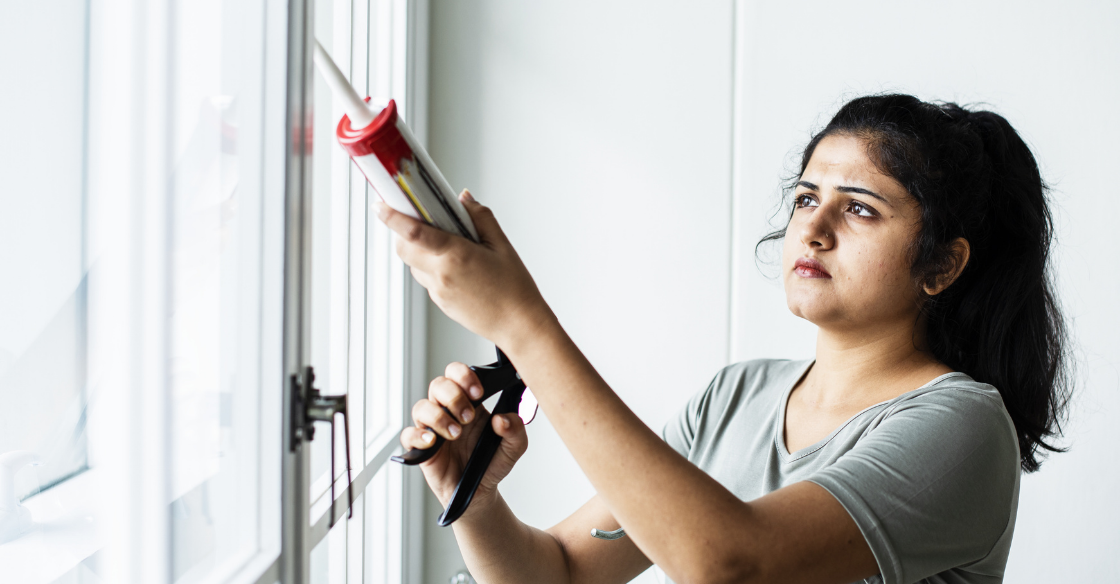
(380,137)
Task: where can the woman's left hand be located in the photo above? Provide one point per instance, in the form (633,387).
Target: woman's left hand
(484,287)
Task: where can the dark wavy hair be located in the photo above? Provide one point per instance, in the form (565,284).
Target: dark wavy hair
(974,177)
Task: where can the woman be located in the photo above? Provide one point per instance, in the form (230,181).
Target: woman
(917,243)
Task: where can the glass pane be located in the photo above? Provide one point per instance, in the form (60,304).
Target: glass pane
(42,242)
(366,548)
(320,566)
(328,558)
(383,526)
(332,271)
(382,412)
(338,559)
(215,284)
(385,274)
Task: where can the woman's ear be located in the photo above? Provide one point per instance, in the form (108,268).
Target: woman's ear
(959,252)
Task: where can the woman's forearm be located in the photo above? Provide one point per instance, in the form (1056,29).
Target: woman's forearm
(499,549)
(680,517)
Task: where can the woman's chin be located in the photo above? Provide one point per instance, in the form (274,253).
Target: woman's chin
(812,311)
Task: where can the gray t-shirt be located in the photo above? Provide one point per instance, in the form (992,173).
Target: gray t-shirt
(931,477)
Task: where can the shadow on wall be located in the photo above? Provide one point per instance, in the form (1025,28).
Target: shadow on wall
(455,103)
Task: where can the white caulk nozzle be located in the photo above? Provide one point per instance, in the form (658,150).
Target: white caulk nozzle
(15,520)
(352,103)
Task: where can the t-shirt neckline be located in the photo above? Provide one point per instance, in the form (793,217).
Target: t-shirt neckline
(780,425)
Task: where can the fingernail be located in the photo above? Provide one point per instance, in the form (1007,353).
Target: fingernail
(427,437)
(454,430)
(467,196)
(381,209)
(467,415)
(476,392)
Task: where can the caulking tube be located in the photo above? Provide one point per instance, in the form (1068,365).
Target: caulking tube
(392,159)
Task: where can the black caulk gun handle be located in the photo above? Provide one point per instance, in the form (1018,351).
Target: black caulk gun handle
(494,378)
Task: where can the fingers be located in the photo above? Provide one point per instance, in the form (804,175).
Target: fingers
(412,232)
(512,430)
(412,437)
(484,221)
(418,233)
(427,414)
(464,377)
(444,396)
(451,395)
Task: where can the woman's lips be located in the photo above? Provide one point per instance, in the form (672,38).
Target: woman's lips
(810,268)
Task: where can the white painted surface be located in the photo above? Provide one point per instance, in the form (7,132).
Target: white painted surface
(42,229)
(1053,72)
(599,133)
(64,532)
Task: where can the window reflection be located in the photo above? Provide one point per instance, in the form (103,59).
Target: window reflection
(215,299)
(335,276)
(43,317)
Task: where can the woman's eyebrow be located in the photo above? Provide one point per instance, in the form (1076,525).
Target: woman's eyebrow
(808,185)
(845,189)
(864,191)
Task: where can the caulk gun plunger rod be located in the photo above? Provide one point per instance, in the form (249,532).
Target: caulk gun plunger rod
(355,106)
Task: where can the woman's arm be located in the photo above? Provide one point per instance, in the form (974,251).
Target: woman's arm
(677,515)
(680,517)
(499,549)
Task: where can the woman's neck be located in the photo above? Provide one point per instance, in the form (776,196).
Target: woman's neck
(869,366)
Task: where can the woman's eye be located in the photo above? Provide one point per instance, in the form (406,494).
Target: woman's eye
(804,201)
(861,210)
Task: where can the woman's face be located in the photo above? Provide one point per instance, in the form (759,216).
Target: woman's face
(845,260)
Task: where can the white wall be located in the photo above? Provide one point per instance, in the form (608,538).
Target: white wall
(1054,71)
(599,134)
(602,135)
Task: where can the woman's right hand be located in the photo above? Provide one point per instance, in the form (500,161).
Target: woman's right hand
(461,430)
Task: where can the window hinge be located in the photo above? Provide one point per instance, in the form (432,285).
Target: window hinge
(309,405)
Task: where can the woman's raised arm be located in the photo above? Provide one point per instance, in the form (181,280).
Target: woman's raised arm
(678,516)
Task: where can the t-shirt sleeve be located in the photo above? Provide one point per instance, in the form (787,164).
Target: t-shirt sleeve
(680,431)
(932,486)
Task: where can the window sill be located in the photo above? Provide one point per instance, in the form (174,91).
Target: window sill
(64,534)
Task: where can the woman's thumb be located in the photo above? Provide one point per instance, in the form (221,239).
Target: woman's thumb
(483,218)
(514,439)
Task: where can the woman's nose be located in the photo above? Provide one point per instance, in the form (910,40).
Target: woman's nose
(817,231)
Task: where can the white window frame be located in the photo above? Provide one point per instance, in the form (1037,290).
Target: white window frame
(130,124)
(402,63)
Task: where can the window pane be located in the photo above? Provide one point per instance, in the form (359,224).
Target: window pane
(385,274)
(384,308)
(328,558)
(332,232)
(382,411)
(215,284)
(42,240)
(383,526)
